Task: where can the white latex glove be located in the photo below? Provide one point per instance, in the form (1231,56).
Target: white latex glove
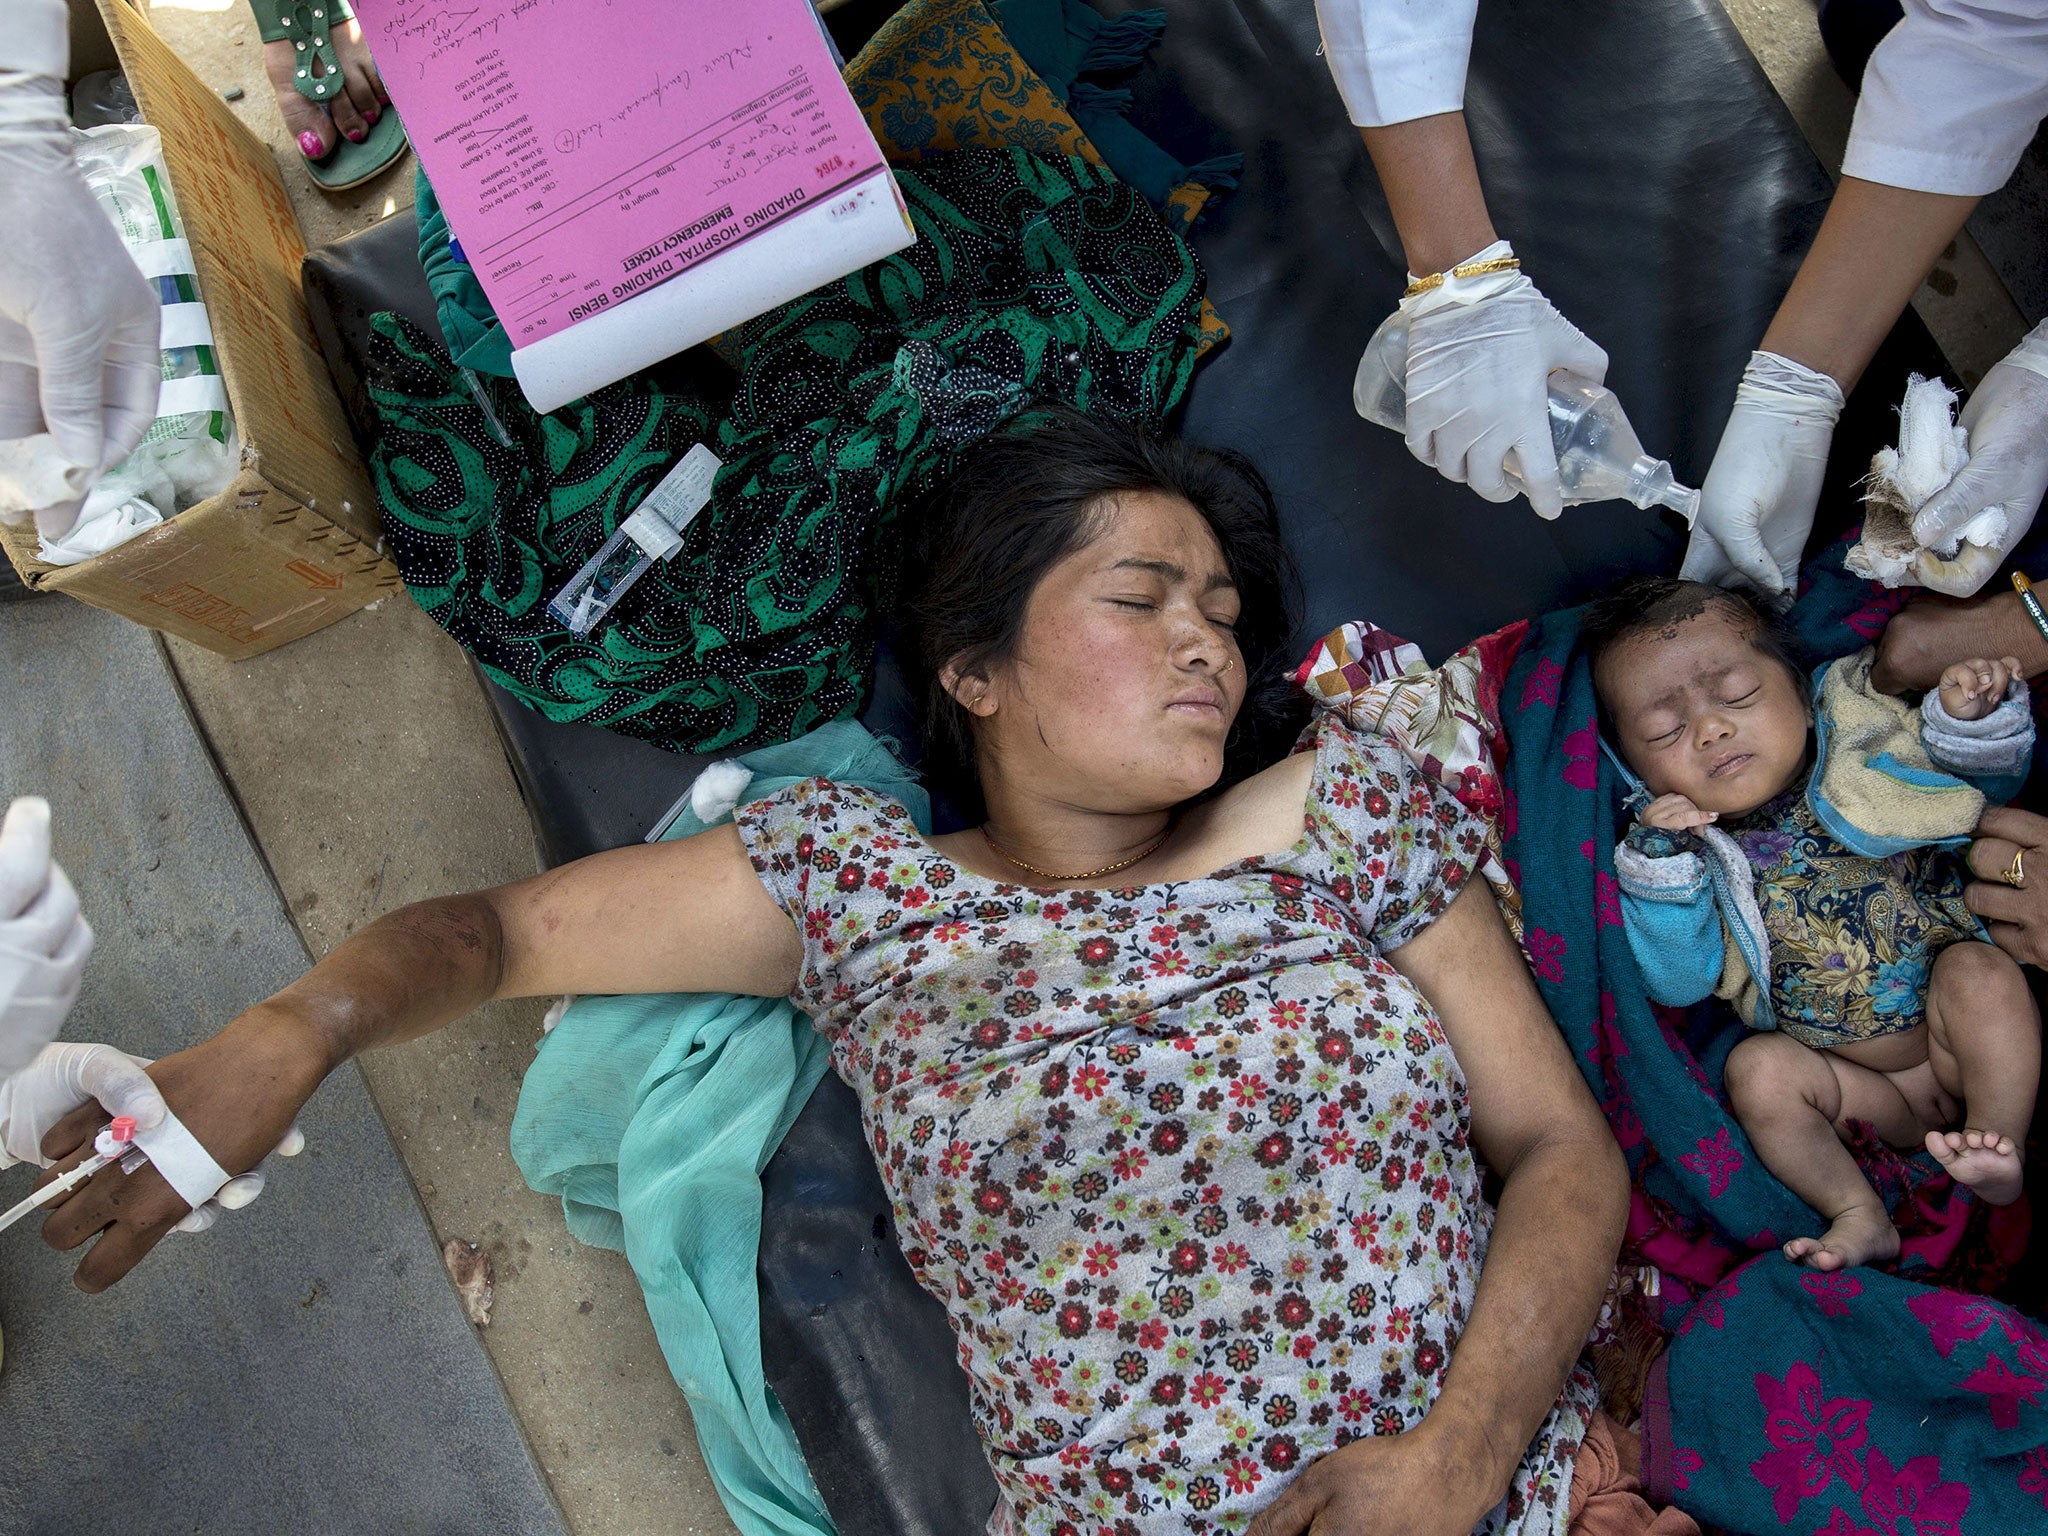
(1756,507)
(43,938)
(2007,419)
(1480,354)
(80,327)
(64,1076)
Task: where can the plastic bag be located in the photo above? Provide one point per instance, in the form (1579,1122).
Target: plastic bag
(191,451)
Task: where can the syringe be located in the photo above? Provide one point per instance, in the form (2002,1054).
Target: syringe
(115,1143)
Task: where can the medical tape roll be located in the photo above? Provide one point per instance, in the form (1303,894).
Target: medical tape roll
(186,1165)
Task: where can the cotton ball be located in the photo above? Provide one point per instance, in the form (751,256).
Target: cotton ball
(1931,446)
(716,793)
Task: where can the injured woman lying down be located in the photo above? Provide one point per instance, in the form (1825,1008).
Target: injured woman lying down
(1182,1066)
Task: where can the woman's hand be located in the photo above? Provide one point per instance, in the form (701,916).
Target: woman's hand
(1931,634)
(2017,916)
(687,916)
(238,1093)
(1675,813)
(1971,689)
(1395,1485)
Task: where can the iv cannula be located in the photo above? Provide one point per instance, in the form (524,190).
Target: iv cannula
(114,1142)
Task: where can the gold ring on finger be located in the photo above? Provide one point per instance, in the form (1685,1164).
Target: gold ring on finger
(2015,873)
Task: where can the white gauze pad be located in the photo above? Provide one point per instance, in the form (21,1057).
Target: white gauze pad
(186,1166)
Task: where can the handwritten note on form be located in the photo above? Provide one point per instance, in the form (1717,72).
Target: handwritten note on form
(591,154)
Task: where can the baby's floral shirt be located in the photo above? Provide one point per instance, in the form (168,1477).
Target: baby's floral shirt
(1187,1164)
(1853,938)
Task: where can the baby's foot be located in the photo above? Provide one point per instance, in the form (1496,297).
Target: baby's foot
(357,105)
(1986,1161)
(1860,1235)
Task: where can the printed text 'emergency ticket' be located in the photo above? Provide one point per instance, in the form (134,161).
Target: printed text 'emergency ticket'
(585,150)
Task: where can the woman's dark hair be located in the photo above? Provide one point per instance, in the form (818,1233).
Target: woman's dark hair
(1645,603)
(1032,495)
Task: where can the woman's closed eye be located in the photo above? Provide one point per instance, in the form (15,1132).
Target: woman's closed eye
(1150,605)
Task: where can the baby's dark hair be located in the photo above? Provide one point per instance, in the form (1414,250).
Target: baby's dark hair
(1661,603)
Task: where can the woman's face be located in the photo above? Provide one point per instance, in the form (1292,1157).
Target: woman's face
(1127,676)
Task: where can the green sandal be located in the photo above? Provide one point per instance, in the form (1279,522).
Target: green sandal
(305,24)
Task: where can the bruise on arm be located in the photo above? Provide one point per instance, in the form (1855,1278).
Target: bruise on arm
(687,916)
(407,974)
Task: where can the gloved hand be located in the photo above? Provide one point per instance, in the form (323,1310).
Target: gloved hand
(65,1076)
(43,938)
(1756,507)
(59,1079)
(2007,418)
(1480,354)
(80,327)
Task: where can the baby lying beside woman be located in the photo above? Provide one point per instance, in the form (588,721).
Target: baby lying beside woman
(1792,853)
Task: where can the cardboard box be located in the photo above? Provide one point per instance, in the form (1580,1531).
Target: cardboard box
(292,545)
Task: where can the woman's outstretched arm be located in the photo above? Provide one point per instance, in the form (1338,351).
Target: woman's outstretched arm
(1563,1205)
(687,916)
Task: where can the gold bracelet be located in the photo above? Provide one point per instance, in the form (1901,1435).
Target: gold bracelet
(1469,269)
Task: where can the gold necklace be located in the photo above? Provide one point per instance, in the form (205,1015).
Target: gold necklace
(1108,869)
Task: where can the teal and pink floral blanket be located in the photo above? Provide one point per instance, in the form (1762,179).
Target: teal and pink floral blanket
(1900,1402)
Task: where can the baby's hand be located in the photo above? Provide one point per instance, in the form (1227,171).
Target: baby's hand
(1970,690)
(1675,813)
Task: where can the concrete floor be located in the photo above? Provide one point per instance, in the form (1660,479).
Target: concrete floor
(366,764)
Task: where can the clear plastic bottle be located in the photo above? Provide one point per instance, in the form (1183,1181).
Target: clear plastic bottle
(1599,456)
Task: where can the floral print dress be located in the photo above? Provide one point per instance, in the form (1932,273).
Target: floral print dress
(1188,1164)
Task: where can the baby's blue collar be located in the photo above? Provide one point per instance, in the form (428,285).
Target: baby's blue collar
(1638,793)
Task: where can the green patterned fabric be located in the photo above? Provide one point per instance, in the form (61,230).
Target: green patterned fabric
(1032,278)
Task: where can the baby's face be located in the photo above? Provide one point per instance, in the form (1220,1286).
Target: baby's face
(1702,713)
